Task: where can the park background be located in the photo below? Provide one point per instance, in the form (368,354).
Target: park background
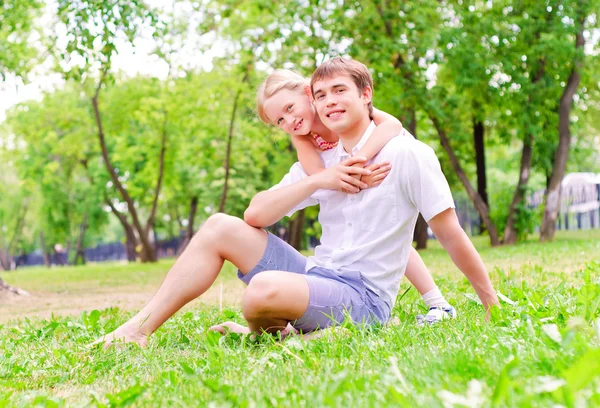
(126,124)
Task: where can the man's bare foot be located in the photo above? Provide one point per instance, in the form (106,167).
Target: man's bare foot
(124,334)
(230,327)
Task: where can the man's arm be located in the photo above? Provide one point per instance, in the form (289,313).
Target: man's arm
(428,189)
(449,233)
(268,207)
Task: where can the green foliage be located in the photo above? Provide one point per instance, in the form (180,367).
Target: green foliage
(18,54)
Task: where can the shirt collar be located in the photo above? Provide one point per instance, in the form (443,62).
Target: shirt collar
(342,153)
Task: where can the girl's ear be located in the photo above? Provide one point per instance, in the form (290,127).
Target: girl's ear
(308,92)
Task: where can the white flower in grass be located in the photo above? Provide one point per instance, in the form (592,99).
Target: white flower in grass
(597,327)
(552,331)
(547,384)
(473,398)
(577,322)
(506,299)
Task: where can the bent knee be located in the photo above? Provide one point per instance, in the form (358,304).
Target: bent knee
(259,296)
(219,221)
(221,225)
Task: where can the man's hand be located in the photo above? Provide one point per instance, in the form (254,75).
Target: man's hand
(339,177)
(379,172)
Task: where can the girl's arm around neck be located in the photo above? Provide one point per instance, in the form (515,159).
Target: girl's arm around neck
(387,128)
(308,156)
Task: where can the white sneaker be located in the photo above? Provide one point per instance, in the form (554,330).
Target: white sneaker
(437,314)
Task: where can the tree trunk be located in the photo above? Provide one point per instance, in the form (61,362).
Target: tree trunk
(228,151)
(478,141)
(296,231)
(420,233)
(79,250)
(479,144)
(480,205)
(147,249)
(410,122)
(149,253)
(130,238)
(510,231)
(44,250)
(552,198)
(5,260)
(131,243)
(189,232)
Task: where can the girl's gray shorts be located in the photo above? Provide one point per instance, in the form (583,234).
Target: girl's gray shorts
(333,294)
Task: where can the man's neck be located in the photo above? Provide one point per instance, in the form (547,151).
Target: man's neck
(355,132)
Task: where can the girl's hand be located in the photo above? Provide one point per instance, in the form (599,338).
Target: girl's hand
(379,172)
(339,177)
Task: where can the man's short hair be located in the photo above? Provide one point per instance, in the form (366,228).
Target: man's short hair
(343,66)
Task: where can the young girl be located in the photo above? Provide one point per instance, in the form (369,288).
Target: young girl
(284,100)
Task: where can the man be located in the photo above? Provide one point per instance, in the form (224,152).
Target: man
(366,236)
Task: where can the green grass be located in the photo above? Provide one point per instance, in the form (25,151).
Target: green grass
(542,351)
(89,277)
(92,277)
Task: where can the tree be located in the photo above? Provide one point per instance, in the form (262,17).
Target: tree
(51,136)
(95,29)
(579,13)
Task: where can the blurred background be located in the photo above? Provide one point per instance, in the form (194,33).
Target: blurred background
(125,124)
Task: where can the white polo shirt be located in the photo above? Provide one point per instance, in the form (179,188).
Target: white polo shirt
(372,231)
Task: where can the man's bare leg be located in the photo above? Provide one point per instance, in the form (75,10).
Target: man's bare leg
(273,299)
(221,237)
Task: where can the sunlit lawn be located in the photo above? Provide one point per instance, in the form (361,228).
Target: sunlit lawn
(541,350)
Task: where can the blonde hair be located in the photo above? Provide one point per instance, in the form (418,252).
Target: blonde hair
(278,80)
(341,66)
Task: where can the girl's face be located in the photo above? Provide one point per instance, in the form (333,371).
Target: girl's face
(291,111)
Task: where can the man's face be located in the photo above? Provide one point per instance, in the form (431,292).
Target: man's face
(339,103)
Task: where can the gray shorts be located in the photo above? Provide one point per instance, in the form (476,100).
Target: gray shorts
(333,295)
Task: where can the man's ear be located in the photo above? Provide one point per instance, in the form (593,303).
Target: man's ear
(308,92)
(367,94)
